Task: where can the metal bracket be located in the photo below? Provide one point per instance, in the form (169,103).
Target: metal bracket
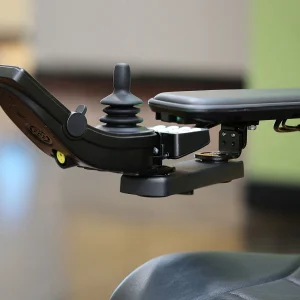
(232,140)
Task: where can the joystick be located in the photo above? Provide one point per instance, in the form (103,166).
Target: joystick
(121,112)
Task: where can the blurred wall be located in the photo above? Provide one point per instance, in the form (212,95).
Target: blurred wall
(193,36)
(275,63)
(16,33)
(16,18)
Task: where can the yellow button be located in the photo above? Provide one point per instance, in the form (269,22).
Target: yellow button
(61,158)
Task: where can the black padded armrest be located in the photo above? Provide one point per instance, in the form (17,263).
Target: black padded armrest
(221,106)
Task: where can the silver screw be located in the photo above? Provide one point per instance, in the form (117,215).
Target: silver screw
(223,133)
(155,150)
(233,135)
(252,127)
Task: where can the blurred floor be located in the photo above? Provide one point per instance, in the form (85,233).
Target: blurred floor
(70,234)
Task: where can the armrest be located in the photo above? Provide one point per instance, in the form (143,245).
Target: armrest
(227,106)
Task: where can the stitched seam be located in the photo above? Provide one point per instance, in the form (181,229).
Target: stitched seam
(254,284)
(292,281)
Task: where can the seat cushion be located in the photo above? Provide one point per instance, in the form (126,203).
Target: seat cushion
(214,276)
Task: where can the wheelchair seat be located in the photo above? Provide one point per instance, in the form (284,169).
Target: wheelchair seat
(214,276)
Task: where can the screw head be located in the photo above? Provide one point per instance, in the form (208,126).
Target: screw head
(155,150)
(252,127)
(233,135)
(223,133)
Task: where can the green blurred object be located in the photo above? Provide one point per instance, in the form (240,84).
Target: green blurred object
(275,63)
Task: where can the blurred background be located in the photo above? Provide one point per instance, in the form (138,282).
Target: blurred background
(70,234)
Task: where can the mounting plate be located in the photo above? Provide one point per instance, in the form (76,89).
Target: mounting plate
(189,175)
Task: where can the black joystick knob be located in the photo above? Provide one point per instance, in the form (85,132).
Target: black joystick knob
(121,111)
(77,122)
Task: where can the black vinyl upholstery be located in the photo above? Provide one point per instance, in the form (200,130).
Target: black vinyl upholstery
(214,276)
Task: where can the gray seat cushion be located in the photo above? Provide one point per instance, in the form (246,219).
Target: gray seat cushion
(214,276)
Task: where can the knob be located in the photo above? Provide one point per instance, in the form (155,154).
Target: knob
(121,111)
(122,77)
(76,124)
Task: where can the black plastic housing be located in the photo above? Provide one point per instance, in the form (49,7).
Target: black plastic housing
(180,145)
(43,119)
(181,141)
